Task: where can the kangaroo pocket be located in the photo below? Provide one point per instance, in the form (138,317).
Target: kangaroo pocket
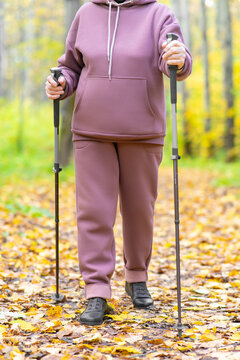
(118,107)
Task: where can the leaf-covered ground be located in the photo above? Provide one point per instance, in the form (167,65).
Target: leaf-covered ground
(33,327)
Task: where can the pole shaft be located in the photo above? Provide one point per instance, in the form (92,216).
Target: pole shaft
(177,221)
(56,170)
(56,73)
(57,230)
(174,127)
(56,112)
(56,147)
(175,158)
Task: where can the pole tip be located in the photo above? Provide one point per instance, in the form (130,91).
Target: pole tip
(58,298)
(179,327)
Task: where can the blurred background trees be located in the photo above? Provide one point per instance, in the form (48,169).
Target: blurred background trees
(32,38)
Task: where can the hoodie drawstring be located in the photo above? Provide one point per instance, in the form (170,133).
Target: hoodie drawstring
(109,30)
(110,47)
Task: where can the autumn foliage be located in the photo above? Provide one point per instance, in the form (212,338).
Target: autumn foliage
(32,326)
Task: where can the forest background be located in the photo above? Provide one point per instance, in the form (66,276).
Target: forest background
(32,38)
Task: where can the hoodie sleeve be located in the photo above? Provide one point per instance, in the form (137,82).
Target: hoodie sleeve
(171,25)
(71,62)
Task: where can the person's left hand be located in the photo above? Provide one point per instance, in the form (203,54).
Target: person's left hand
(174,53)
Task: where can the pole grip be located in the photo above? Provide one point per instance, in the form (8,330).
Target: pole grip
(56,73)
(173,72)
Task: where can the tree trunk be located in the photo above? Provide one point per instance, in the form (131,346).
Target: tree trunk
(219,19)
(29,39)
(187,38)
(206,67)
(21,76)
(2,49)
(228,79)
(181,11)
(72,7)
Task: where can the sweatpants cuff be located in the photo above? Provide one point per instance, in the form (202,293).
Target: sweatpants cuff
(98,290)
(135,276)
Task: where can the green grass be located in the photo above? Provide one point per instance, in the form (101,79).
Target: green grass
(227,173)
(26,142)
(29,156)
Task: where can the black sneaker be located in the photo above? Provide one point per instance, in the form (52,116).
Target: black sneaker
(139,294)
(93,314)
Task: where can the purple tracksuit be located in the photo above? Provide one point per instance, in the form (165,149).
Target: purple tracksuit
(113,60)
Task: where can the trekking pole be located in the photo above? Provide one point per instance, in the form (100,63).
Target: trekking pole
(175,157)
(56,73)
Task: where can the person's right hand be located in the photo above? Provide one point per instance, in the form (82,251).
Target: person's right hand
(54,91)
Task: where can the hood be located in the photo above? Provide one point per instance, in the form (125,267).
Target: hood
(111,3)
(125,3)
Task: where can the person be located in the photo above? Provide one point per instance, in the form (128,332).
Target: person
(116,55)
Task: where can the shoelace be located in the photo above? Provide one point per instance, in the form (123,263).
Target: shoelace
(94,304)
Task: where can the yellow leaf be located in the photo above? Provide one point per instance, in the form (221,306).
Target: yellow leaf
(123,317)
(125,350)
(119,349)
(185,348)
(106,349)
(32,311)
(56,341)
(190,333)
(121,340)
(208,337)
(198,322)
(92,338)
(22,276)
(54,312)
(215,285)
(82,283)
(57,323)
(233,329)
(3,331)
(24,325)
(83,346)
(235,337)
(48,326)
(69,316)
(157,342)
(203,273)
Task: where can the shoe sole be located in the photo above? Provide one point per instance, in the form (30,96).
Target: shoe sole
(91,323)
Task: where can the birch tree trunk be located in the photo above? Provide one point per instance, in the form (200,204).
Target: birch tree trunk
(21,71)
(29,39)
(219,18)
(188,41)
(228,78)
(72,7)
(181,11)
(207,120)
(2,49)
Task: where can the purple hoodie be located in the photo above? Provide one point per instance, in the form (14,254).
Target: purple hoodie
(114,59)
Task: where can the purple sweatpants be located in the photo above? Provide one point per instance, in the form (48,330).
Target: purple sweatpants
(104,170)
